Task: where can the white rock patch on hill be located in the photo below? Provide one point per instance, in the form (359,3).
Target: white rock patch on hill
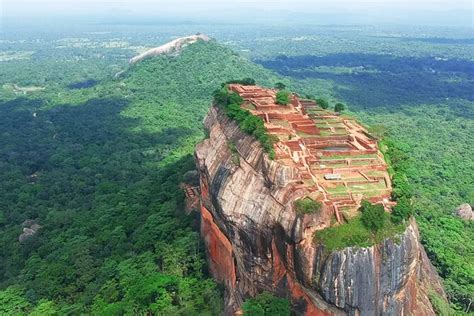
(170,48)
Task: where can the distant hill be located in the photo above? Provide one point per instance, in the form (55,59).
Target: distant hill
(176,90)
(172,47)
(196,71)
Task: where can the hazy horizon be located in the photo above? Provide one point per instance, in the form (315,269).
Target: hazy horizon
(420,12)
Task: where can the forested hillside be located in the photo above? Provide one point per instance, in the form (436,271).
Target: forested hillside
(98,169)
(97,161)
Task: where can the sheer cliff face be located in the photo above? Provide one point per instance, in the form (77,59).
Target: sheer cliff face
(257,242)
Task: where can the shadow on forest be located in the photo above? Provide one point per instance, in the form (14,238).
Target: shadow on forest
(370,80)
(97,188)
(77,151)
(432,40)
(89,83)
(33,135)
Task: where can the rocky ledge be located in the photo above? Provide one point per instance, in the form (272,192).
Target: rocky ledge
(173,47)
(256,241)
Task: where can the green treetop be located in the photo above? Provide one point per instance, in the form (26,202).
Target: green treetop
(322,103)
(283,97)
(339,107)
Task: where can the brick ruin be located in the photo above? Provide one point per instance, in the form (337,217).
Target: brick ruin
(254,243)
(192,195)
(339,161)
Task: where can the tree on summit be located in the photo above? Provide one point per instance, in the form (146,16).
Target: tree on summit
(322,103)
(339,107)
(280,86)
(373,216)
(283,97)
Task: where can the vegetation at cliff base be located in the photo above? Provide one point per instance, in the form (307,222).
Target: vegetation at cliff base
(107,196)
(265,304)
(98,167)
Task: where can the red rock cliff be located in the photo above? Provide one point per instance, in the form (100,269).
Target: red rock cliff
(256,241)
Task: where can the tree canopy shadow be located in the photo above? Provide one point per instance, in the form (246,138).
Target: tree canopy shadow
(92,182)
(371,81)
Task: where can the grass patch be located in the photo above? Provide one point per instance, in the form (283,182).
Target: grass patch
(321,119)
(363,162)
(325,133)
(376,186)
(374,173)
(351,157)
(343,195)
(235,153)
(280,122)
(355,234)
(337,189)
(249,106)
(307,206)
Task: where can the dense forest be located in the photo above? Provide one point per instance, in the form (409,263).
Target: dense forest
(95,160)
(100,174)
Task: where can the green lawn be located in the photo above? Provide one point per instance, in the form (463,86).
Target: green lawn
(362,162)
(349,156)
(337,189)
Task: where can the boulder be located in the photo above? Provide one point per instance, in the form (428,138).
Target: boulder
(30,228)
(465,212)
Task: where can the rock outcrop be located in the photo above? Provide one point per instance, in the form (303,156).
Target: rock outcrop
(30,228)
(256,241)
(172,47)
(465,212)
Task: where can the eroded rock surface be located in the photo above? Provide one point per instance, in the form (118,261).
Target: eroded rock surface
(172,47)
(257,242)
